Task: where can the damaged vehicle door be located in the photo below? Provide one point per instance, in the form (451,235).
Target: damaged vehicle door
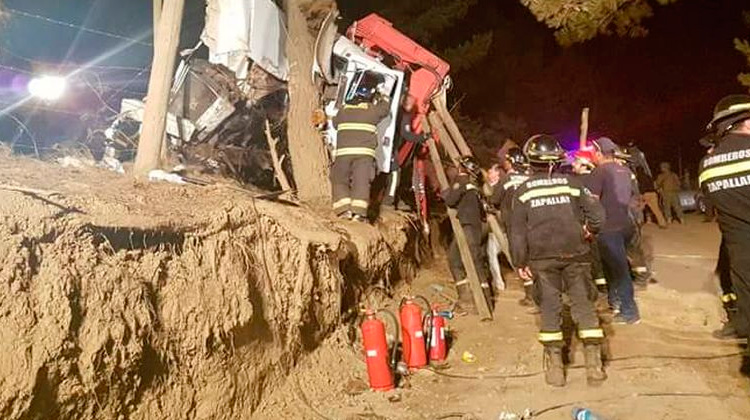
(343,66)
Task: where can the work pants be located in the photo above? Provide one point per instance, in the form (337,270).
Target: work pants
(391,193)
(612,246)
(739,263)
(651,201)
(724,271)
(351,178)
(639,264)
(474,238)
(554,277)
(495,247)
(597,269)
(671,203)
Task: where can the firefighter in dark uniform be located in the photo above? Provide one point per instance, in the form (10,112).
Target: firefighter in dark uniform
(517,172)
(583,165)
(354,166)
(725,180)
(405,134)
(465,196)
(728,296)
(552,216)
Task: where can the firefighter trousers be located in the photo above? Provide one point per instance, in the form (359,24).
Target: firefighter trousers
(474,238)
(739,262)
(724,271)
(640,265)
(552,278)
(597,269)
(351,178)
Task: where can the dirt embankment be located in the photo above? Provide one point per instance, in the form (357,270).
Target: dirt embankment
(152,301)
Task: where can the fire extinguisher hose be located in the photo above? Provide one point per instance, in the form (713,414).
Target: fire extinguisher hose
(427,320)
(397,331)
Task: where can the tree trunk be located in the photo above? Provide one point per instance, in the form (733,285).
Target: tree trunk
(306,148)
(155,114)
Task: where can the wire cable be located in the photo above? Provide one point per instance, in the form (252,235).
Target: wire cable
(78,27)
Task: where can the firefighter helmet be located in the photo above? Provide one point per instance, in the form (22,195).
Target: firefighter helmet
(543,148)
(516,158)
(729,111)
(470,166)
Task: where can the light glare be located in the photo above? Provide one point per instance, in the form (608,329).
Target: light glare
(48,88)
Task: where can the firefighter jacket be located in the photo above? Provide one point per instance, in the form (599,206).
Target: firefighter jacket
(356,126)
(465,197)
(725,180)
(502,194)
(549,213)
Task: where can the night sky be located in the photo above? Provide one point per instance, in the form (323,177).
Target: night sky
(658,90)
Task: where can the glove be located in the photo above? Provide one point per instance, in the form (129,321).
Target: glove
(318,117)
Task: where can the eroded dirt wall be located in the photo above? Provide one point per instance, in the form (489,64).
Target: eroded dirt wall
(171,322)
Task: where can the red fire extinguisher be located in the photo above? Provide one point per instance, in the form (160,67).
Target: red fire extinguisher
(438,345)
(412,335)
(376,352)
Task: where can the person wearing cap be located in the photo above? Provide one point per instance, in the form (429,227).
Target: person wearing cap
(725,180)
(466,197)
(612,184)
(583,165)
(552,216)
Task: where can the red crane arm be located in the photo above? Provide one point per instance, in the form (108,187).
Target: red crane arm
(377,36)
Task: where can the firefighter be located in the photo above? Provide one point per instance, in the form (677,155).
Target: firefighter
(728,297)
(725,180)
(465,196)
(583,165)
(354,166)
(516,173)
(552,215)
(405,134)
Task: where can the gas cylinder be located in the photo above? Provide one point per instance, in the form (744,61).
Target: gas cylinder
(376,353)
(412,336)
(438,345)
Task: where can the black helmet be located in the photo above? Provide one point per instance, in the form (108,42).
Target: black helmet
(517,159)
(543,148)
(471,166)
(729,111)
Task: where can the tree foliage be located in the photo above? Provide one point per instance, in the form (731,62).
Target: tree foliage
(580,20)
(743,46)
(431,24)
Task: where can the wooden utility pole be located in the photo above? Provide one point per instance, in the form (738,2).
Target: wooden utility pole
(584,128)
(166,41)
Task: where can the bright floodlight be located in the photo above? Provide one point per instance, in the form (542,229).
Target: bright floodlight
(49,88)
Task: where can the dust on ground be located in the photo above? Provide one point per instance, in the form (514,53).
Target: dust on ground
(670,352)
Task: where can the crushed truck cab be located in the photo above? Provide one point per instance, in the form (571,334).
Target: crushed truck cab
(343,67)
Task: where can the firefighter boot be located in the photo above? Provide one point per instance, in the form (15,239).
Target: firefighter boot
(554,370)
(595,374)
(727,331)
(465,297)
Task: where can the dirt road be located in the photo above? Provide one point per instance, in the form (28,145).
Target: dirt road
(668,367)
